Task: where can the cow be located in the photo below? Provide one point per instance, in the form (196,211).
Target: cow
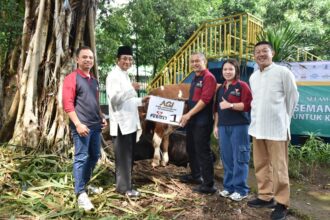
(158,136)
(159,133)
(177,153)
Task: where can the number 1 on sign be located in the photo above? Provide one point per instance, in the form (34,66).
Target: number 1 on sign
(174,118)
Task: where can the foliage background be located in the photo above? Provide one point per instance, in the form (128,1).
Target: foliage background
(11,22)
(158,28)
(32,184)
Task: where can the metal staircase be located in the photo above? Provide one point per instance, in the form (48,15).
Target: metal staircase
(228,37)
(232,36)
(304,55)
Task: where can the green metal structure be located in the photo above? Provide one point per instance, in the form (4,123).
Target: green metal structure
(228,37)
(225,37)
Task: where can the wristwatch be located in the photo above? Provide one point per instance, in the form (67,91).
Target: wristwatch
(231,105)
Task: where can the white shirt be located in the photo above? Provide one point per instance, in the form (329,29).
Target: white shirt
(123,103)
(274,96)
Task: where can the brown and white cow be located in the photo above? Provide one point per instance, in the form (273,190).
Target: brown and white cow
(160,132)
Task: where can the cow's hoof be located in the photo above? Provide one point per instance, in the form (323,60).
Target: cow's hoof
(165,159)
(155,163)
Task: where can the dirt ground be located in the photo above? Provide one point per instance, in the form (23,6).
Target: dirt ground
(310,200)
(162,197)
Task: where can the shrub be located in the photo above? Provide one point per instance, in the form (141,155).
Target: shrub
(305,159)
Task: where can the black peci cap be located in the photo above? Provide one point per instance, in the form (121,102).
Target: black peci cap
(124,50)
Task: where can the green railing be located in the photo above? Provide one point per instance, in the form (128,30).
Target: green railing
(102,95)
(225,37)
(304,55)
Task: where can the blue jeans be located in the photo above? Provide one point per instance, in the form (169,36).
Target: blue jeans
(86,155)
(234,144)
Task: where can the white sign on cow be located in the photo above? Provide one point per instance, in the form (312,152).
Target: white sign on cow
(164,110)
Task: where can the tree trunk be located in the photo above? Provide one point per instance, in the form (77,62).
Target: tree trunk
(52,31)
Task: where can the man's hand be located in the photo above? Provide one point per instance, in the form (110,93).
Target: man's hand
(145,99)
(136,85)
(104,123)
(184,119)
(82,130)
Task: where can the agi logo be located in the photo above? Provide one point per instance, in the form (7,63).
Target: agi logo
(167,104)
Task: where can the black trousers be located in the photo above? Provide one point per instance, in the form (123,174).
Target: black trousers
(124,151)
(199,151)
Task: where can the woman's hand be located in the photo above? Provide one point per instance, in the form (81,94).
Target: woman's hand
(225,104)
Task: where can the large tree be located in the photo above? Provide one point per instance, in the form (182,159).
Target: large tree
(35,68)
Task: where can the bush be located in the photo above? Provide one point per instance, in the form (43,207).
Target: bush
(305,159)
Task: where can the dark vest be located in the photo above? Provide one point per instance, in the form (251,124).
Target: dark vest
(205,116)
(230,116)
(86,102)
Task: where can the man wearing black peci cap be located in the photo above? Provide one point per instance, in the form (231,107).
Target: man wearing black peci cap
(124,118)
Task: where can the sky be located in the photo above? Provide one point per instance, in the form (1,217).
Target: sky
(120,2)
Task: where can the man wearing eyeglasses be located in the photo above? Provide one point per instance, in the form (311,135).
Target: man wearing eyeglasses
(124,118)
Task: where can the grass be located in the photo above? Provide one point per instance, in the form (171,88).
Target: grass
(35,185)
(306,159)
(40,186)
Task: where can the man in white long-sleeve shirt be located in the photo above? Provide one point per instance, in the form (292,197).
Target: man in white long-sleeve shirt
(275,95)
(124,118)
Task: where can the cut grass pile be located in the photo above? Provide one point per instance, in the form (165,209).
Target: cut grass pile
(40,186)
